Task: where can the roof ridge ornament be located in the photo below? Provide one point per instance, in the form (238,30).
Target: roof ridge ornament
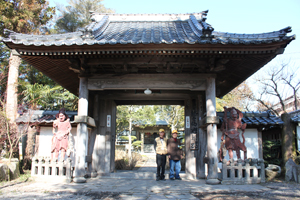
(87,33)
(113,17)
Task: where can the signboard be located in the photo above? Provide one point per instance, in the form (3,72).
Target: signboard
(187,122)
(108,123)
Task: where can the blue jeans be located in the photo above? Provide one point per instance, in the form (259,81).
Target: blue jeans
(177,165)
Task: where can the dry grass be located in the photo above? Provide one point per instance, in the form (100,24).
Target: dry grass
(122,161)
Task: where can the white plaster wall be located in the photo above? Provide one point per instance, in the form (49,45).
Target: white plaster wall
(251,143)
(251,137)
(45,142)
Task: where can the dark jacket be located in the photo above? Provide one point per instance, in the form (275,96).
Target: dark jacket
(173,149)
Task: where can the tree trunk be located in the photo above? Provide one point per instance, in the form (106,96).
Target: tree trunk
(288,138)
(12,88)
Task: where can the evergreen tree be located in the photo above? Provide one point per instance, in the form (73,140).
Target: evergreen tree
(22,16)
(77,14)
(172,114)
(138,115)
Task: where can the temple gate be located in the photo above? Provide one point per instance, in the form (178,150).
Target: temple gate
(118,56)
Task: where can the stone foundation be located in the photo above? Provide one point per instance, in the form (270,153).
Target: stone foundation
(44,167)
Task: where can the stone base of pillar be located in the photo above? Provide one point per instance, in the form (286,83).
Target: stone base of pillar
(213,181)
(191,176)
(94,174)
(79,180)
(201,175)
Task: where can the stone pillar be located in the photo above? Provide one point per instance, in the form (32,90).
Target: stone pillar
(82,132)
(212,147)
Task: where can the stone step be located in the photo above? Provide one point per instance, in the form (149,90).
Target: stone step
(126,174)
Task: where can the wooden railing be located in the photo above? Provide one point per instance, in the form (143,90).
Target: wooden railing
(44,167)
(250,171)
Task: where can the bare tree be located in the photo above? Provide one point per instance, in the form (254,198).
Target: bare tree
(239,97)
(275,85)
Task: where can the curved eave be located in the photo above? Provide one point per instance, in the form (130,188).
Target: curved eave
(118,44)
(118,48)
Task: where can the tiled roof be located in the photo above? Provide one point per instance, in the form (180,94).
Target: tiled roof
(251,118)
(257,119)
(42,116)
(114,29)
(296,119)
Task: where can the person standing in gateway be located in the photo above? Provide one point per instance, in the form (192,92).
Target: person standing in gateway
(175,155)
(160,146)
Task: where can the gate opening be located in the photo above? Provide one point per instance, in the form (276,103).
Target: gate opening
(137,126)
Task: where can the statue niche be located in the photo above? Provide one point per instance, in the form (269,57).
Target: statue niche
(229,129)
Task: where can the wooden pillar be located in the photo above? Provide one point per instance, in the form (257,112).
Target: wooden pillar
(104,150)
(95,153)
(202,141)
(212,147)
(113,112)
(190,128)
(82,132)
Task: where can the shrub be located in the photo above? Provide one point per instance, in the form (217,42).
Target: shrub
(272,152)
(122,161)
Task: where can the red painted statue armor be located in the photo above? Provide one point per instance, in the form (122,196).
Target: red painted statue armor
(60,137)
(229,129)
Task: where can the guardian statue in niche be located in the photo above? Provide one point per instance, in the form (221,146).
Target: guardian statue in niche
(229,129)
(61,130)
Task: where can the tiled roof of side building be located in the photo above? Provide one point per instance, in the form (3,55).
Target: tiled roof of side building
(114,29)
(257,119)
(296,118)
(251,118)
(42,116)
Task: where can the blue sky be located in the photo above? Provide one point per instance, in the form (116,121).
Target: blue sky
(235,16)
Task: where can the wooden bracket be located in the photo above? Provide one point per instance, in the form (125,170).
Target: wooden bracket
(209,120)
(85,119)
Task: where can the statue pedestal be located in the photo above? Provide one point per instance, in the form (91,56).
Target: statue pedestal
(79,180)
(213,181)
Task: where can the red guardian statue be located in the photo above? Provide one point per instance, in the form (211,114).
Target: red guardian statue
(230,131)
(61,131)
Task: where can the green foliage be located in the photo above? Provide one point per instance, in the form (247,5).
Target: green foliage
(172,114)
(24,16)
(48,98)
(125,137)
(4,58)
(272,152)
(139,115)
(77,14)
(137,144)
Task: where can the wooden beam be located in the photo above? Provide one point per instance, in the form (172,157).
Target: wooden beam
(154,82)
(149,102)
